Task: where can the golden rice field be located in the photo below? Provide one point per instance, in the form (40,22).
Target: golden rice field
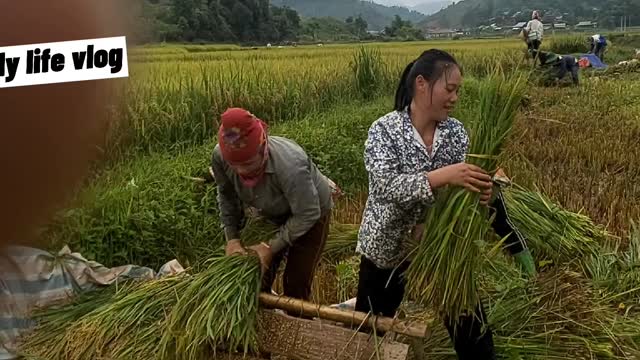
(580,146)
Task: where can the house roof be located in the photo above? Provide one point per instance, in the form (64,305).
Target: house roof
(441,31)
(520,24)
(585,23)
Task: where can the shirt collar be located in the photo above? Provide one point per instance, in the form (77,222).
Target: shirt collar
(270,169)
(412,135)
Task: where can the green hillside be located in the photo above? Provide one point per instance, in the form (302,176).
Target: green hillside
(376,15)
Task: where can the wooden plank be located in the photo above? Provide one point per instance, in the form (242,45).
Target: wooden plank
(351,318)
(302,339)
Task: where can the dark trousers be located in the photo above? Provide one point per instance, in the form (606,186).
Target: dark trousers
(504,227)
(381,291)
(598,50)
(302,259)
(534,47)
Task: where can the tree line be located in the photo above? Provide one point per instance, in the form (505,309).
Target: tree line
(246,22)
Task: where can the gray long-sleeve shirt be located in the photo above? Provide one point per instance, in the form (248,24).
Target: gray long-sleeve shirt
(293,193)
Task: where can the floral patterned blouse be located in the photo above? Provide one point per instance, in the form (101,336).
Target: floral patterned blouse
(399,192)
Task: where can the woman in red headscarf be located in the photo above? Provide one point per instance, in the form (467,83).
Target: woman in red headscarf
(276,177)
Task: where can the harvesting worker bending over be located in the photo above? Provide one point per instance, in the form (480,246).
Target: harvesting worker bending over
(275,176)
(555,67)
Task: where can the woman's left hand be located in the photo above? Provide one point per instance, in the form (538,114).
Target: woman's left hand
(485,196)
(264,253)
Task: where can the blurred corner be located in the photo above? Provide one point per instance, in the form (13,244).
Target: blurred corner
(50,134)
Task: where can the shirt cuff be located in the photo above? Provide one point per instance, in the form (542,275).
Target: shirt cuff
(231,232)
(277,244)
(426,192)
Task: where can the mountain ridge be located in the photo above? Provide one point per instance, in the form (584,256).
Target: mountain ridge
(376,15)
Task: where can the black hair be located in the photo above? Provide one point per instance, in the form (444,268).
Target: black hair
(431,65)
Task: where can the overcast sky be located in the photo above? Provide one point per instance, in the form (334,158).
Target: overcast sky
(403,2)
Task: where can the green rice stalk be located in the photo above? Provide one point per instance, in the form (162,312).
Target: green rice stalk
(616,273)
(104,326)
(558,315)
(48,339)
(347,278)
(551,231)
(444,265)
(217,310)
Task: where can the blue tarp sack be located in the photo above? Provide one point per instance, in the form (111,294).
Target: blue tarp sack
(594,61)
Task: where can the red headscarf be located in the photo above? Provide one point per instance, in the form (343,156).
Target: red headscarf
(241,137)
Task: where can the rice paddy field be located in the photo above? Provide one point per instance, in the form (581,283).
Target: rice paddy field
(578,148)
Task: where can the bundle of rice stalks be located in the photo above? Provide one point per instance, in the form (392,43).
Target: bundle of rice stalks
(551,231)
(446,261)
(48,340)
(556,316)
(102,326)
(188,315)
(216,310)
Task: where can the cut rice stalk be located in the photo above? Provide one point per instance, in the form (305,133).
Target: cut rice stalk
(445,263)
(217,310)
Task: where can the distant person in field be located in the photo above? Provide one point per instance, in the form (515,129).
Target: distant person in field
(555,67)
(598,46)
(411,154)
(276,177)
(534,32)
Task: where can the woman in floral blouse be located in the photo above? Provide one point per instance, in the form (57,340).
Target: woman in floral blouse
(410,154)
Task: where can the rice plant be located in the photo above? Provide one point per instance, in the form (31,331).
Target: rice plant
(444,266)
(107,326)
(571,44)
(369,72)
(553,232)
(217,310)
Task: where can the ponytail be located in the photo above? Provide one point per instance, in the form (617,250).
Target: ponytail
(431,65)
(403,95)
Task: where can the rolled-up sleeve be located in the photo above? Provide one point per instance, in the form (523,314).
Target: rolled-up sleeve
(229,204)
(301,193)
(386,180)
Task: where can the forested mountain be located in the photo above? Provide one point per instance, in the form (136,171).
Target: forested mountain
(264,21)
(376,15)
(233,21)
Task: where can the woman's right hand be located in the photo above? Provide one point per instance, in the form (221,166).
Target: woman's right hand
(471,177)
